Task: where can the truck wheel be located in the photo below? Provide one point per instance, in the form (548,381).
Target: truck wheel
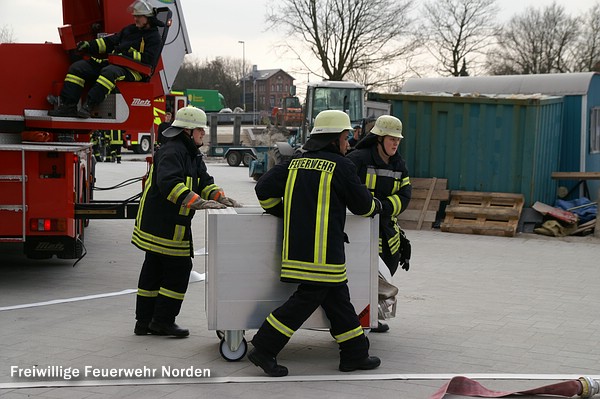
(234,158)
(144,146)
(247,159)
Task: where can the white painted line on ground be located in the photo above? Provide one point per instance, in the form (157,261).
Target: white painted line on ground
(194,278)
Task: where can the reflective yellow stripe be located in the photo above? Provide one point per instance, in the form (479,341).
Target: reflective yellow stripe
(357,332)
(396,203)
(147,294)
(142,45)
(101,45)
(136,75)
(269,203)
(318,267)
(171,294)
(176,192)
(75,79)
(287,199)
(316,277)
(279,326)
(208,189)
(322,221)
(371,179)
(179,232)
(105,82)
(394,243)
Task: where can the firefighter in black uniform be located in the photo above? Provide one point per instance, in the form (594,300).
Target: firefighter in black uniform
(384,172)
(139,41)
(311,193)
(178,184)
(115,140)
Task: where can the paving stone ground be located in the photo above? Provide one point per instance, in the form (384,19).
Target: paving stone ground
(469,305)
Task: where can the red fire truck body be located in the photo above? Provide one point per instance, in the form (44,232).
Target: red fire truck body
(46,165)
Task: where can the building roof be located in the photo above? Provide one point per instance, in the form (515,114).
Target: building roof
(554,83)
(264,74)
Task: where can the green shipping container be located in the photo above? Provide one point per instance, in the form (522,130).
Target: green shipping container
(484,144)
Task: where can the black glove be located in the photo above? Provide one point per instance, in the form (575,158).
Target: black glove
(378,207)
(83,46)
(405,251)
(387,209)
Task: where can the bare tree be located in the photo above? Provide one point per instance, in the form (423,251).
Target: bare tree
(537,41)
(222,73)
(345,35)
(586,52)
(6,34)
(458,31)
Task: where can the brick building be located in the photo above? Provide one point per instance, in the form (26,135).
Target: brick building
(266,88)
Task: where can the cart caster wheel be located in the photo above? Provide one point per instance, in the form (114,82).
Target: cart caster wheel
(220,334)
(230,355)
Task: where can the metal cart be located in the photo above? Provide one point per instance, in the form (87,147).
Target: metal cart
(243,264)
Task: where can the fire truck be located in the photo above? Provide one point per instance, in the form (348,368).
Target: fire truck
(46,164)
(142,142)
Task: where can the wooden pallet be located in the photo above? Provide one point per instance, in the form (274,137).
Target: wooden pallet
(495,214)
(427,194)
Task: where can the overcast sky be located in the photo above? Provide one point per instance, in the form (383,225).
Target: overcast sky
(216,26)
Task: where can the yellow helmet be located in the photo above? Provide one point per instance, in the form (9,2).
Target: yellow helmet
(387,125)
(331,121)
(186,118)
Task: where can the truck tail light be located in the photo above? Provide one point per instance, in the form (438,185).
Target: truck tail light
(47,224)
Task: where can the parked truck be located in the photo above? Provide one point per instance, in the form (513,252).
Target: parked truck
(46,164)
(338,95)
(208,100)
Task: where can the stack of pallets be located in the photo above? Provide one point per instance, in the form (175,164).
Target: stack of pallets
(427,194)
(495,214)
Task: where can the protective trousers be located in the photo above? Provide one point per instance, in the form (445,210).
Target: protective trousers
(279,326)
(104,74)
(162,287)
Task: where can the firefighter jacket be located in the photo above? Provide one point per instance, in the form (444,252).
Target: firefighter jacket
(311,193)
(163,224)
(114,137)
(141,45)
(390,183)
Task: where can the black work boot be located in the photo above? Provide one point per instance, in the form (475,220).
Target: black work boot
(64,111)
(381,328)
(85,112)
(267,363)
(168,329)
(142,328)
(368,363)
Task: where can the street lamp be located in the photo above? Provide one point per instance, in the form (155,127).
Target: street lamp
(243,43)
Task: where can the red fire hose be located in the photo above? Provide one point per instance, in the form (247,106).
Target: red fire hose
(585,387)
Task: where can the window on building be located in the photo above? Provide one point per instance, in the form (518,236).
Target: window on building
(595,131)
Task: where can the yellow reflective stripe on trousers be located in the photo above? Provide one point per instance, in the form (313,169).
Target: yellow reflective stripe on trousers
(357,332)
(75,79)
(171,294)
(146,293)
(322,222)
(279,326)
(106,83)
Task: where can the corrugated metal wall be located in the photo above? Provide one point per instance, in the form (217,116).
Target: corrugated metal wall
(482,144)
